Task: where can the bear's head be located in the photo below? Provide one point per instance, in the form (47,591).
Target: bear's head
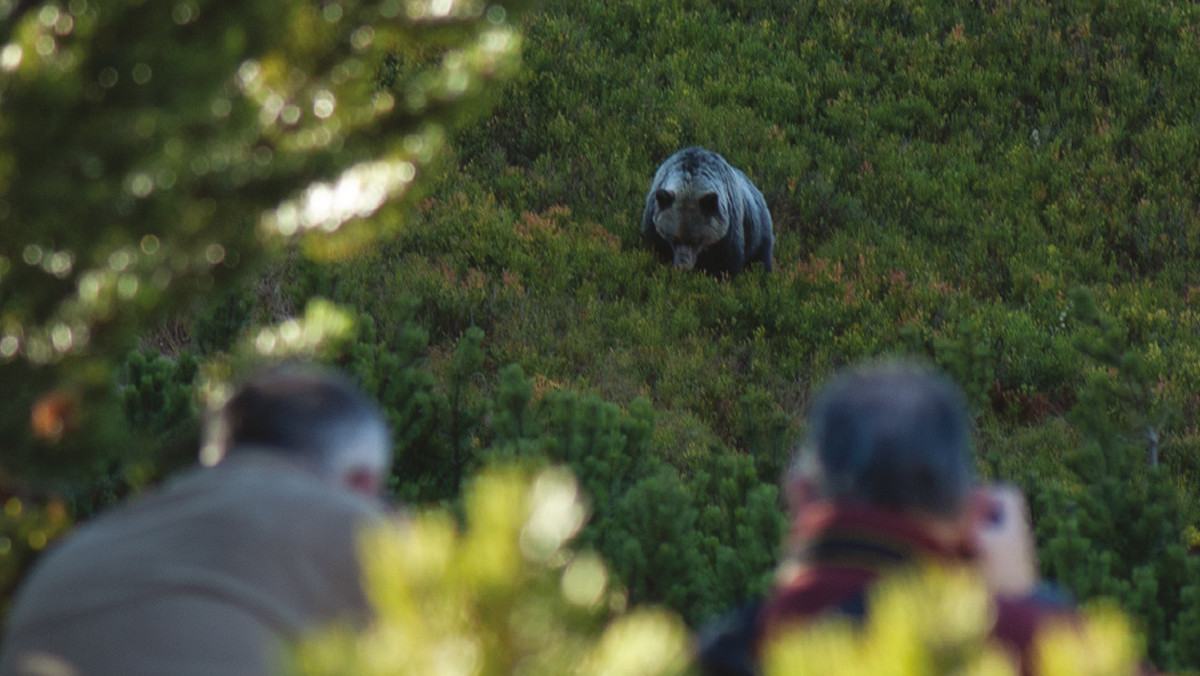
(690,222)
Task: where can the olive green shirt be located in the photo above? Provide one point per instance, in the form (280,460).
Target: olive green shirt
(212,574)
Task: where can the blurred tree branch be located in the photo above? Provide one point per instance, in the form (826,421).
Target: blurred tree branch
(153,154)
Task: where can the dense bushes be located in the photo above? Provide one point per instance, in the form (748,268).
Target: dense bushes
(943,178)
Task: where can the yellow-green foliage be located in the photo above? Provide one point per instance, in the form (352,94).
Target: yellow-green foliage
(936,622)
(25,529)
(503,595)
(508,594)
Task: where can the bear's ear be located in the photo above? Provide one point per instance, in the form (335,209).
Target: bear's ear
(708,203)
(665,198)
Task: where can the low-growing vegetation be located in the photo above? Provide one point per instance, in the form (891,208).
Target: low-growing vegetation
(1004,189)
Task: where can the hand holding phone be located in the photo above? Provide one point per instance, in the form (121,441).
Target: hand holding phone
(1003,539)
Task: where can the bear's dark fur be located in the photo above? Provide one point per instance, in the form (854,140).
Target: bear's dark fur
(703,213)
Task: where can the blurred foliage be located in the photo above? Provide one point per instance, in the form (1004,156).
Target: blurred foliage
(936,621)
(157,162)
(511,591)
(193,135)
(505,594)
(26,528)
(197,140)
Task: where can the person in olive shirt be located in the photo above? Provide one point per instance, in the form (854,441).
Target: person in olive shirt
(217,571)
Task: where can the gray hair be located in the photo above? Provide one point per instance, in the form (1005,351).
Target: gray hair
(892,435)
(314,415)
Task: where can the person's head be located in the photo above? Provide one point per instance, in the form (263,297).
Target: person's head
(315,416)
(888,435)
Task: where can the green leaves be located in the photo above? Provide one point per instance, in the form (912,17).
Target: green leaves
(505,594)
(151,154)
(936,621)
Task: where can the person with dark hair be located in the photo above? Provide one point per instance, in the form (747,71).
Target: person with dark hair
(884,480)
(222,567)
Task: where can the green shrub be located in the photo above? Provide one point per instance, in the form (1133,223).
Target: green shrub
(507,593)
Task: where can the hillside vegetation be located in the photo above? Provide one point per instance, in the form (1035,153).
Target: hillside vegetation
(1004,189)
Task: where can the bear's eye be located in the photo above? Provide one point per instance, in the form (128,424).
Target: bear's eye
(665,198)
(708,202)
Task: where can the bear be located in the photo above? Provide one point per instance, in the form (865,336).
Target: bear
(702,213)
